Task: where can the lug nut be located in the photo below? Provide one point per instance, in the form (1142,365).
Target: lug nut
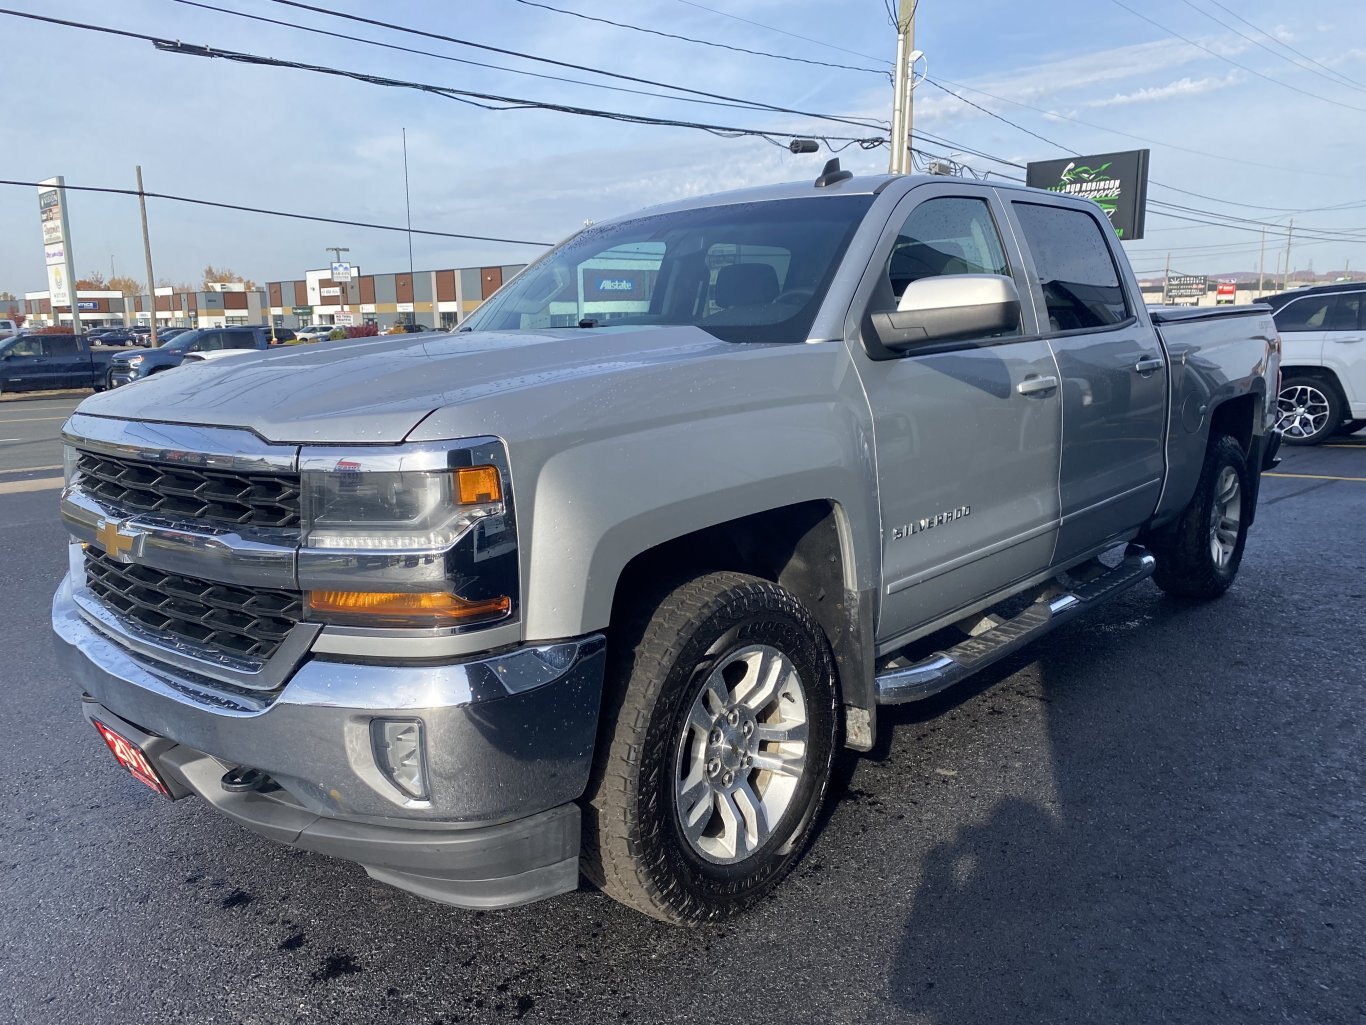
(748,761)
(715,736)
(713,766)
(728,778)
(747,728)
(732,717)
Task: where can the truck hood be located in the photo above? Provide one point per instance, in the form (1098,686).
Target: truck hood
(377,390)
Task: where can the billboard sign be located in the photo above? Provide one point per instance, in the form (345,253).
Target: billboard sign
(58,286)
(61,267)
(1226,293)
(1187,286)
(341,272)
(1117,182)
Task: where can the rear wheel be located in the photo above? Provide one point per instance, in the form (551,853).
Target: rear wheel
(717,751)
(1308,410)
(1198,556)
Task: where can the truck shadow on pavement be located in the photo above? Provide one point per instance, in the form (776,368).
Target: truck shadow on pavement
(1161,870)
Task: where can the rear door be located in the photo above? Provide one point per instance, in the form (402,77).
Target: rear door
(68,365)
(1113,370)
(1344,350)
(967,461)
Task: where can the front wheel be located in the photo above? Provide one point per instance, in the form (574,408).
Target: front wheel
(1308,410)
(1198,556)
(717,750)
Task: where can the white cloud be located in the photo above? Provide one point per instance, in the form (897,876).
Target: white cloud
(1181,87)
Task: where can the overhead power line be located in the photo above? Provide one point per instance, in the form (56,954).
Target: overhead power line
(701,42)
(1275,53)
(1229,60)
(1282,42)
(1241,161)
(462,60)
(281,213)
(392,26)
(784,32)
(486,101)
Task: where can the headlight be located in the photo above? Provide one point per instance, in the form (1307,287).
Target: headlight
(133,361)
(412,536)
(70,461)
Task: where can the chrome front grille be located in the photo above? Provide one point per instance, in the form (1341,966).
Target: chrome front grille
(219,497)
(242,622)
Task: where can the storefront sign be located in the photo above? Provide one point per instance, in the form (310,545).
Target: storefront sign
(1227,293)
(1118,182)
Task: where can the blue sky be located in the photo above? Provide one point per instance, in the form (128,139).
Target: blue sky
(91,107)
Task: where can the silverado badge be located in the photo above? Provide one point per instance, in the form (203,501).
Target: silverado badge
(938,519)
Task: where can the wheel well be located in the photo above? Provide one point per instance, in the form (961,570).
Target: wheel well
(797,547)
(1236,418)
(1318,373)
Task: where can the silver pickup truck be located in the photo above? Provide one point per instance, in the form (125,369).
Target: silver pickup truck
(602,584)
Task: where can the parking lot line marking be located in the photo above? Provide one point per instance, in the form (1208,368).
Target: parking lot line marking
(1345,446)
(15,487)
(1314,476)
(28,469)
(32,419)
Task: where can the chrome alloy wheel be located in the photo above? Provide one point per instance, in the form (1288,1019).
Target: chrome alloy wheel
(742,754)
(1226,515)
(1302,411)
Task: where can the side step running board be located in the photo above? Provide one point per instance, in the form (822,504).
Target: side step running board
(945,668)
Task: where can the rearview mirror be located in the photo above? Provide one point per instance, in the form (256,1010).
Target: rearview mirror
(951,307)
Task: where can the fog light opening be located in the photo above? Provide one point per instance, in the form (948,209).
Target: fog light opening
(400,752)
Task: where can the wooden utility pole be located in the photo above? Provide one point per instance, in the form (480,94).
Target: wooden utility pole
(147,252)
(902,120)
(1261,265)
(1289,235)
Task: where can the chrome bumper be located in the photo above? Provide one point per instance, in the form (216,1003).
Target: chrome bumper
(508,735)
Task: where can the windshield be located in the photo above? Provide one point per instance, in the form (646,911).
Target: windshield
(181,342)
(750,272)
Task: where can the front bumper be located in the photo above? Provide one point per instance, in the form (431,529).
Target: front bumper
(509,737)
(122,375)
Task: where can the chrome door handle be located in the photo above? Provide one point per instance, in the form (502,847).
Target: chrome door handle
(1034,385)
(1149,364)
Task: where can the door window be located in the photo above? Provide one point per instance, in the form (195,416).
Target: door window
(25,348)
(1348,313)
(1077,273)
(951,235)
(61,345)
(1307,314)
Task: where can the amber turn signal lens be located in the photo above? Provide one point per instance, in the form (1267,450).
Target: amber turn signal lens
(439,606)
(479,485)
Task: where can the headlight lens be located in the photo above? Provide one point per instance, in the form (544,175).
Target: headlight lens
(423,510)
(70,461)
(134,361)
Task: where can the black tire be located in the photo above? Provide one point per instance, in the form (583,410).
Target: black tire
(635,848)
(1186,562)
(1309,422)
(1349,428)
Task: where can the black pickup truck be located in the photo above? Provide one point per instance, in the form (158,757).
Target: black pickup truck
(37,362)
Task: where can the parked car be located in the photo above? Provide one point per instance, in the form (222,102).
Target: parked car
(404,327)
(314,332)
(35,362)
(130,367)
(111,336)
(483,611)
(1323,384)
(8,329)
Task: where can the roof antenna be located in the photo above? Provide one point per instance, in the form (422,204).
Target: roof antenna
(832,174)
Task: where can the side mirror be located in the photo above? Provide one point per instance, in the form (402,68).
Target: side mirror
(952,307)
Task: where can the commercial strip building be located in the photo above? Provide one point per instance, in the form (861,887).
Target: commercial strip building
(435,298)
(225,304)
(432,298)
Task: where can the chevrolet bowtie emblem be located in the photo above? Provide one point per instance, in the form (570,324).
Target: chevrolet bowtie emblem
(115,543)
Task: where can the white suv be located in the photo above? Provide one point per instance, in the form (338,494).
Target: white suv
(1323,361)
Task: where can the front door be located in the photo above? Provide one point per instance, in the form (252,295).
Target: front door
(967,460)
(1114,377)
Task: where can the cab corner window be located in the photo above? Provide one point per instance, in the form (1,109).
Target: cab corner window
(1077,274)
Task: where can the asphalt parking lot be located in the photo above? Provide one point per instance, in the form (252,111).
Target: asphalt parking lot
(1156,814)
